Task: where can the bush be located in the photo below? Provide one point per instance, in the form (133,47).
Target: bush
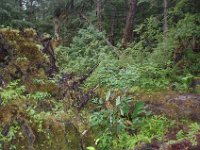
(111,123)
(87,49)
(111,73)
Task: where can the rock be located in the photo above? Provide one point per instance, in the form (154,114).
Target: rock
(175,145)
(174,105)
(187,105)
(195,85)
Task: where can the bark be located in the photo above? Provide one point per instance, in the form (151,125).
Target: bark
(128,30)
(179,55)
(57,27)
(20,3)
(31,11)
(195,44)
(48,49)
(99,14)
(165,24)
(112,28)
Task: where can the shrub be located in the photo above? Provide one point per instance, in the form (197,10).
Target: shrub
(112,122)
(87,49)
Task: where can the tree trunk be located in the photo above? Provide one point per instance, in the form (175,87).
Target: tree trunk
(57,27)
(30,8)
(112,28)
(165,24)
(128,33)
(20,4)
(99,14)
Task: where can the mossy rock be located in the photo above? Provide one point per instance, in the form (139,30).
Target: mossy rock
(195,85)
(172,104)
(197,90)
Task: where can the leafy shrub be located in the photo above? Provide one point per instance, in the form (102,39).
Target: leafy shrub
(113,122)
(118,129)
(13,130)
(154,127)
(183,31)
(194,129)
(112,73)
(86,49)
(12,92)
(150,33)
(39,95)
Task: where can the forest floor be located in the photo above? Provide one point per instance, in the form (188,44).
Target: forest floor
(42,109)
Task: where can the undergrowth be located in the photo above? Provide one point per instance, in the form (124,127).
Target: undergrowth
(118,120)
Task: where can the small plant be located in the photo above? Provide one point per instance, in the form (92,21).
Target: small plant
(12,92)
(194,129)
(85,50)
(153,127)
(38,118)
(114,121)
(111,73)
(13,129)
(39,96)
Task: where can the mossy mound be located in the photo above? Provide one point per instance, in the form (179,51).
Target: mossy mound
(174,105)
(24,57)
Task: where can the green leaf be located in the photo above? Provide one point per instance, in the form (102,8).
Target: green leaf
(139,106)
(108,95)
(121,112)
(118,101)
(90,148)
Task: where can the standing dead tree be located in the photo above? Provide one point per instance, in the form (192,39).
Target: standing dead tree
(99,15)
(165,23)
(48,49)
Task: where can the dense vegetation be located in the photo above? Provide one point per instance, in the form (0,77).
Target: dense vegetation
(99,75)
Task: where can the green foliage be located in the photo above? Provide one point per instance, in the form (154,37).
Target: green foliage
(38,118)
(113,73)
(9,13)
(39,96)
(111,123)
(187,27)
(13,130)
(182,83)
(183,32)
(90,148)
(86,49)
(12,92)
(193,64)
(146,64)
(194,128)
(153,127)
(150,33)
